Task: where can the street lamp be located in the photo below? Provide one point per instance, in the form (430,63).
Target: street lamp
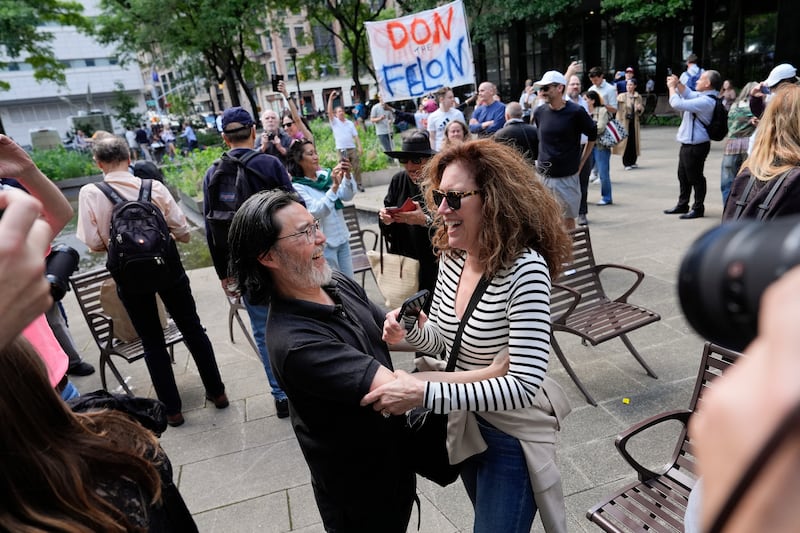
(293,54)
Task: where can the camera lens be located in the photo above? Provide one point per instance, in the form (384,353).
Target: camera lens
(61,263)
(727,269)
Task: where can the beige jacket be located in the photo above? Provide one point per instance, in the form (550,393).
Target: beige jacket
(536,427)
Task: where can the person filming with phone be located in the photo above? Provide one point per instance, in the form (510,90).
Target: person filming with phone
(345,136)
(500,240)
(274,141)
(407,232)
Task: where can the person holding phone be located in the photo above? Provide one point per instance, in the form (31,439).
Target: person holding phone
(293,124)
(274,141)
(408,232)
(498,227)
(323,190)
(345,136)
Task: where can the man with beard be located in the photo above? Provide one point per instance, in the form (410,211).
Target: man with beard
(326,350)
(574,96)
(408,233)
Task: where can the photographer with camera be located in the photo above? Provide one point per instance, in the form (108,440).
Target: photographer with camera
(274,141)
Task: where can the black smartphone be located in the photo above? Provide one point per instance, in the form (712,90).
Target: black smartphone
(669,71)
(275,79)
(414,304)
(343,155)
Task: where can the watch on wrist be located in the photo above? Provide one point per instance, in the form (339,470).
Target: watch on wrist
(428,219)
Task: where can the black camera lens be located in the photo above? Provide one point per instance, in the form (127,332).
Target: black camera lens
(60,264)
(727,269)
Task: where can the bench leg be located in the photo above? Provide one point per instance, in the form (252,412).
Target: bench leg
(637,356)
(232,311)
(568,368)
(116,373)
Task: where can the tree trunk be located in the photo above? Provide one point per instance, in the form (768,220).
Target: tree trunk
(232,87)
(248,93)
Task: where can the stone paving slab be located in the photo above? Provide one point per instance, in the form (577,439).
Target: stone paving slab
(240,469)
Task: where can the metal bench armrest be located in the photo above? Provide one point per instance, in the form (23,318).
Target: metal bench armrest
(576,298)
(682,415)
(639,277)
(374,236)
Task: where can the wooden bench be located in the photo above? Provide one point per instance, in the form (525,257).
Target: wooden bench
(86,287)
(579,305)
(657,501)
(358,249)
(235,305)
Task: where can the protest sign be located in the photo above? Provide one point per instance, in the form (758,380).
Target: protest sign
(419,53)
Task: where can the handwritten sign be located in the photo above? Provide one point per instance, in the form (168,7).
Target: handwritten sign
(419,53)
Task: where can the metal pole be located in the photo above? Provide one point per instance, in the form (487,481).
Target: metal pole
(293,55)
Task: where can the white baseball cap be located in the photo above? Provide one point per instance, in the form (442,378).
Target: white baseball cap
(781,72)
(551,76)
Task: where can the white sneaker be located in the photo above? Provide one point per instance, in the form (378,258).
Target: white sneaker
(594,179)
(630,167)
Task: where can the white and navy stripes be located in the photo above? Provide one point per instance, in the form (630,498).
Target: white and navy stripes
(515,312)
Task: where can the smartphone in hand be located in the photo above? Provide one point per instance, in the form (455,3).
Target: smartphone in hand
(413,305)
(275,79)
(343,155)
(407,206)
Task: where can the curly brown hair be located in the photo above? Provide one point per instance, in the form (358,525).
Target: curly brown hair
(518,211)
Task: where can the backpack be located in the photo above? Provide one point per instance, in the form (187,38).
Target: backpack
(139,244)
(691,81)
(717,129)
(228,188)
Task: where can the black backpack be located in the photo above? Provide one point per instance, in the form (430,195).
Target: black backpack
(717,129)
(228,188)
(139,244)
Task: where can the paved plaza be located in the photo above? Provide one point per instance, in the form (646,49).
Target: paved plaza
(241,470)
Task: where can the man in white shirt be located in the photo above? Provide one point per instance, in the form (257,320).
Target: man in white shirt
(345,136)
(439,119)
(605,89)
(382,116)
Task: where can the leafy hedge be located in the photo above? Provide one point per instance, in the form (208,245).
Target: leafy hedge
(61,164)
(186,173)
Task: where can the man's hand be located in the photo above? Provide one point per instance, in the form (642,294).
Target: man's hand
(672,82)
(398,396)
(230,288)
(416,217)
(24,240)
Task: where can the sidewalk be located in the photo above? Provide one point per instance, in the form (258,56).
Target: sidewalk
(240,469)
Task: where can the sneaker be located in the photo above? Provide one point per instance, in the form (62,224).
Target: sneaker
(282,408)
(594,179)
(603,202)
(80,369)
(629,167)
(634,165)
(361,188)
(582,220)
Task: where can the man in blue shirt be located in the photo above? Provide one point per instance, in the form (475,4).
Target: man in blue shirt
(697,108)
(490,115)
(189,135)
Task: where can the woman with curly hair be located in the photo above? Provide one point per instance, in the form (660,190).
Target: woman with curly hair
(498,227)
(65,471)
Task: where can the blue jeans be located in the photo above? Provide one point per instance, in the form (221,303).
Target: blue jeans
(258,322)
(499,485)
(730,167)
(602,159)
(339,258)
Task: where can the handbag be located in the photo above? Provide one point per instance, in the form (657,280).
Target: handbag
(428,430)
(613,134)
(115,309)
(397,275)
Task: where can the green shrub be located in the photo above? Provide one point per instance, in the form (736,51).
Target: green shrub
(209,137)
(372,157)
(61,164)
(186,173)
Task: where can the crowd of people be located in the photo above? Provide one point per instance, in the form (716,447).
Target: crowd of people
(494,198)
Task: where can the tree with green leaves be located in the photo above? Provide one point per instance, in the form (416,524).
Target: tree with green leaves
(22,36)
(645,11)
(350,30)
(124,105)
(221,33)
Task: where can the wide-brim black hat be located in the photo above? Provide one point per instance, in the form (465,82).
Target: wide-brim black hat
(418,144)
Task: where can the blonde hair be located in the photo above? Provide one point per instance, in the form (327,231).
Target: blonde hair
(518,211)
(777,144)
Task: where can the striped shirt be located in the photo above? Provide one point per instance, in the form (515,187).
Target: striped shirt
(514,312)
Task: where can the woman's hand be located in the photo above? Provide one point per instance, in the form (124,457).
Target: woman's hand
(398,396)
(416,217)
(385,217)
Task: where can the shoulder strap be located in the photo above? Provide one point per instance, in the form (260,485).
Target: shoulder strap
(742,201)
(763,206)
(250,154)
(144,191)
(473,303)
(110,193)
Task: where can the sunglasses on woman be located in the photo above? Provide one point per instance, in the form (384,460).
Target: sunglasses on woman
(453,198)
(414,160)
(287,124)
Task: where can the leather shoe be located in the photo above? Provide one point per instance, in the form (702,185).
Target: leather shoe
(175,420)
(220,401)
(694,213)
(80,369)
(677,210)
